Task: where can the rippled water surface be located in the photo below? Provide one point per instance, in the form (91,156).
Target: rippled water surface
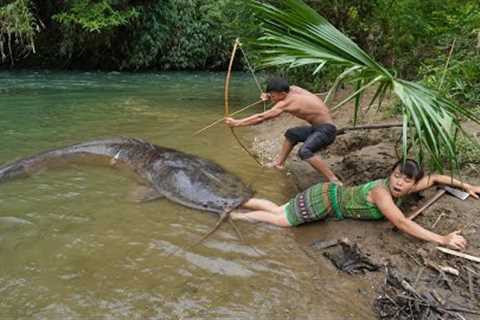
(73,244)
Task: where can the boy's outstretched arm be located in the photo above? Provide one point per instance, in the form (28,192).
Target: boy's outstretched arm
(256,118)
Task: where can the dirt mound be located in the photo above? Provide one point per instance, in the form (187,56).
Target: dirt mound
(356,140)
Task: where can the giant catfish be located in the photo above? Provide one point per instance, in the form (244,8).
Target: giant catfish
(180,177)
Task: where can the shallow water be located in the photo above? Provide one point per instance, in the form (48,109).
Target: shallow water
(73,244)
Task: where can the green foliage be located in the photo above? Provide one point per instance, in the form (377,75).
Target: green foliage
(425,29)
(94,16)
(17,29)
(296,36)
(150,33)
(457,74)
(468,150)
(186,34)
(88,30)
(459,81)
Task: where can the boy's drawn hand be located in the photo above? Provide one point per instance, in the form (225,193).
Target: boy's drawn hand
(265,96)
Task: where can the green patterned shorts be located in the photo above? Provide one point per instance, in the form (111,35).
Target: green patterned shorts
(309,205)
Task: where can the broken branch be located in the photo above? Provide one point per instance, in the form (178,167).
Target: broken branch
(459,254)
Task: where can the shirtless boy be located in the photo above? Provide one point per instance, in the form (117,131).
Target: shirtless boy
(306,106)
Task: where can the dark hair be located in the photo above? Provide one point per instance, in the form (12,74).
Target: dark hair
(410,168)
(278,85)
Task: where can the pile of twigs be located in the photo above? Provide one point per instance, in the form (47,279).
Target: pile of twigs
(401,300)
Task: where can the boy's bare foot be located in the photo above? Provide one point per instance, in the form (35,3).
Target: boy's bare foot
(276,165)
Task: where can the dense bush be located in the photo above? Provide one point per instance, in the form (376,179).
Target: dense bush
(183,34)
(129,34)
(18,27)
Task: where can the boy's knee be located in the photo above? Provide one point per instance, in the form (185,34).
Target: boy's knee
(291,136)
(305,153)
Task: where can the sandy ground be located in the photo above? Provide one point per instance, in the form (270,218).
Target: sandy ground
(359,156)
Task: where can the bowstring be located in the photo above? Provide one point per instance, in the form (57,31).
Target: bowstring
(252,71)
(250,68)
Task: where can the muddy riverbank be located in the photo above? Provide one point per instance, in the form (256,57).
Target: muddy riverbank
(359,156)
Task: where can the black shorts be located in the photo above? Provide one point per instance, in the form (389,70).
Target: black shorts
(315,138)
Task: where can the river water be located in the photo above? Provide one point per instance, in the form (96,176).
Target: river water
(73,244)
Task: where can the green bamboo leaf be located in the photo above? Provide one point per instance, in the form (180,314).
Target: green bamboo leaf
(356,93)
(357,103)
(339,79)
(381,88)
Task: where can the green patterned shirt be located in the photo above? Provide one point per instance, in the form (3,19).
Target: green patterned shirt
(320,200)
(352,202)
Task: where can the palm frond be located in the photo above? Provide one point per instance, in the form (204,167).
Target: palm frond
(297,35)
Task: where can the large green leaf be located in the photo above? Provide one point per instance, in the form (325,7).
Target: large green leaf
(295,35)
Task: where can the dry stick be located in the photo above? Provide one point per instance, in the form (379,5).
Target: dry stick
(440,193)
(371,126)
(419,274)
(446,64)
(461,309)
(438,219)
(438,297)
(470,285)
(458,315)
(450,270)
(472,271)
(437,196)
(459,254)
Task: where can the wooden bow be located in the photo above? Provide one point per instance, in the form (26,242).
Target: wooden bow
(226,106)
